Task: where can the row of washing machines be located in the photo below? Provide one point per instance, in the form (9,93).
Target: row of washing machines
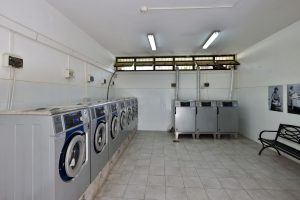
(54,153)
(206,117)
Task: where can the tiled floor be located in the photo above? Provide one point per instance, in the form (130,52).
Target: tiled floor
(155,168)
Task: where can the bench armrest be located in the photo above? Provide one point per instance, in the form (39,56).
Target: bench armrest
(265,131)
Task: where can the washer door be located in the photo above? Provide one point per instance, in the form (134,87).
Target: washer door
(114,127)
(123,121)
(129,117)
(100,137)
(75,156)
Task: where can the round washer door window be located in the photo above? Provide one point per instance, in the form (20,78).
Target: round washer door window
(123,120)
(100,137)
(114,127)
(75,156)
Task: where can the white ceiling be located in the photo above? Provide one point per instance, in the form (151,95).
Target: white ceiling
(121,28)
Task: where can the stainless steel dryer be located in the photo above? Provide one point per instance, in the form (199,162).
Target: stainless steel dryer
(114,138)
(185,113)
(46,153)
(206,117)
(99,138)
(228,117)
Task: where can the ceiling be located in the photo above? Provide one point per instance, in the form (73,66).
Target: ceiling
(121,28)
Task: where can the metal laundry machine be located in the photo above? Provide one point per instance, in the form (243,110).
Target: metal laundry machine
(206,117)
(46,153)
(130,117)
(123,119)
(99,138)
(185,113)
(114,139)
(228,117)
(135,111)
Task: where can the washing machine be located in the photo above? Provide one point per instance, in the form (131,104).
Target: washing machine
(130,117)
(45,153)
(123,119)
(114,139)
(135,108)
(99,138)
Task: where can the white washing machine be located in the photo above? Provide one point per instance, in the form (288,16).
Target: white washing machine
(45,153)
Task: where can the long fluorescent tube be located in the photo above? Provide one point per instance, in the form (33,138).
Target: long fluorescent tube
(211,39)
(151,40)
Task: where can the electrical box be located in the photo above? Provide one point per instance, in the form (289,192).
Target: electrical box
(90,79)
(10,60)
(103,82)
(69,74)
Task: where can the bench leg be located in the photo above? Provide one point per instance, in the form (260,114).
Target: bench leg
(263,148)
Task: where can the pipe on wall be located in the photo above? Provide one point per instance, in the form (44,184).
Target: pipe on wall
(231,84)
(198,82)
(177,83)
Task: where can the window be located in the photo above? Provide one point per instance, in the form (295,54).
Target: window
(168,63)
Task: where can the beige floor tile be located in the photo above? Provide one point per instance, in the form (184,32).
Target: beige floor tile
(196,193)
(157,180)
(230,183)
(138,179)
(211,183)
(174,181)
(176,193)
(135,192)
(155,193)
(217,194)
(238,195)
(192,182)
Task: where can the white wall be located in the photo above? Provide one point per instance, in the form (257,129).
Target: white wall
(155,95)
(273,61)
(49,43)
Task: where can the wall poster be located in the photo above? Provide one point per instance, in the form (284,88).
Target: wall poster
(275,98)
(293,97)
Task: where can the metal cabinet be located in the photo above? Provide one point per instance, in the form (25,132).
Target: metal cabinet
(228,117)
(185,113)
(206,117)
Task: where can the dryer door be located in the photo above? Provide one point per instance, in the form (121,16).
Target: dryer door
(100,137)
(123,121)
(74,157)
(114,127)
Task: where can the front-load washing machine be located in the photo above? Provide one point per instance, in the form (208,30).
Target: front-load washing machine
(135,109)
(114,138)
(130,117)
(123,119)
(45,153)
(99,138)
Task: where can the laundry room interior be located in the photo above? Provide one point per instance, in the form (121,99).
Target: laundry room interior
(149,100)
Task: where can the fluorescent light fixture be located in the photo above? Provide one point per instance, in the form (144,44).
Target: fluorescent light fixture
(211,39)
(152,42)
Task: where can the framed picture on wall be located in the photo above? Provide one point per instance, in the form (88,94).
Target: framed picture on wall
(293,98)
(275,98)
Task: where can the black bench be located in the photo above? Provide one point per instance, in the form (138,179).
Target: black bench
(285,131)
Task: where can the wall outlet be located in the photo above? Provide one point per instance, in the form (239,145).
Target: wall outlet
(206,84)
(90,79)
(11,60)
(69,73)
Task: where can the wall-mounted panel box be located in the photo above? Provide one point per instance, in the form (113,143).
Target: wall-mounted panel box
(10,60)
